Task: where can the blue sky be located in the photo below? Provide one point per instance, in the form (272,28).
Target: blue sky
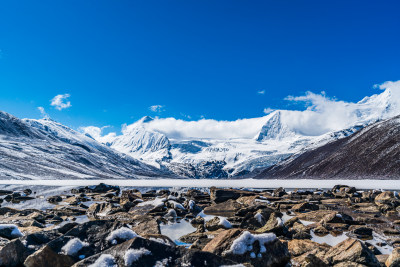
(195,58)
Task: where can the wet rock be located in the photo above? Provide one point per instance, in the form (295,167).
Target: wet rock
(353,251)
(219,195)
(243,247)
(46,256)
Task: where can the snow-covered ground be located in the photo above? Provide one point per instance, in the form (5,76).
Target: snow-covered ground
(234,183)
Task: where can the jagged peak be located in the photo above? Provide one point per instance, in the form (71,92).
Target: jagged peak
(274,128)
(146,119)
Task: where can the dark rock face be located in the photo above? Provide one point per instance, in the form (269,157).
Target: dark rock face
(372,152)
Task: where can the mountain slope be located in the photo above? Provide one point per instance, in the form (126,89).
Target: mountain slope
(45,149)
(373,152)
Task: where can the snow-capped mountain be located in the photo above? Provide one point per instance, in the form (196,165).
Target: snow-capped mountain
(45,149)
(281,134)
(371,153)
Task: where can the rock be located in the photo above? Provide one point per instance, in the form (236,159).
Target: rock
(13,254)
(100,210)
(197,221)
(217,223)
(300,231)
(27,191)
(104,188)
(46,256)
(335,217)
(235,245)
(274,225)
(5,192)
(130,198)
(146,225)
(300,247)
(279,192)
(226,209)
(394,258)
(307,253)
(157,254)
(351,250)
(387,198)
(9,231)
(219,195)
(305,206)
(54,199)
(361,232)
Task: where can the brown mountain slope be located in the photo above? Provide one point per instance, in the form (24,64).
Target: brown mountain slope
(373,152)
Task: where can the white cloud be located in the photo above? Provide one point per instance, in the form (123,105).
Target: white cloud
(157,108)
(321,115)
(60,102)
(43,112)
(204,128)
(97,133)
(261,92)
(268,110)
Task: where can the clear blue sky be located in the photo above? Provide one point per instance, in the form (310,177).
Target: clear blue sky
(117,58)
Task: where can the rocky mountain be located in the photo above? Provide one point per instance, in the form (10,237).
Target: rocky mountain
(45,149)
(372,152)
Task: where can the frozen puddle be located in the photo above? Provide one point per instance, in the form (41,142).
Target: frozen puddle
(328,239)
(175,230)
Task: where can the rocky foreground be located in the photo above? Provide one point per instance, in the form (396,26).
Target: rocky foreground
(105,226)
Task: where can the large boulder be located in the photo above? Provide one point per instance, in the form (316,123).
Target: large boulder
(219,195)
(307,253)
(273,225)
(352,251)
(387,198)
(46,256)
(244,247)
(226,209)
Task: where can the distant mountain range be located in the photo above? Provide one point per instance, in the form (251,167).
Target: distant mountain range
(367,146)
